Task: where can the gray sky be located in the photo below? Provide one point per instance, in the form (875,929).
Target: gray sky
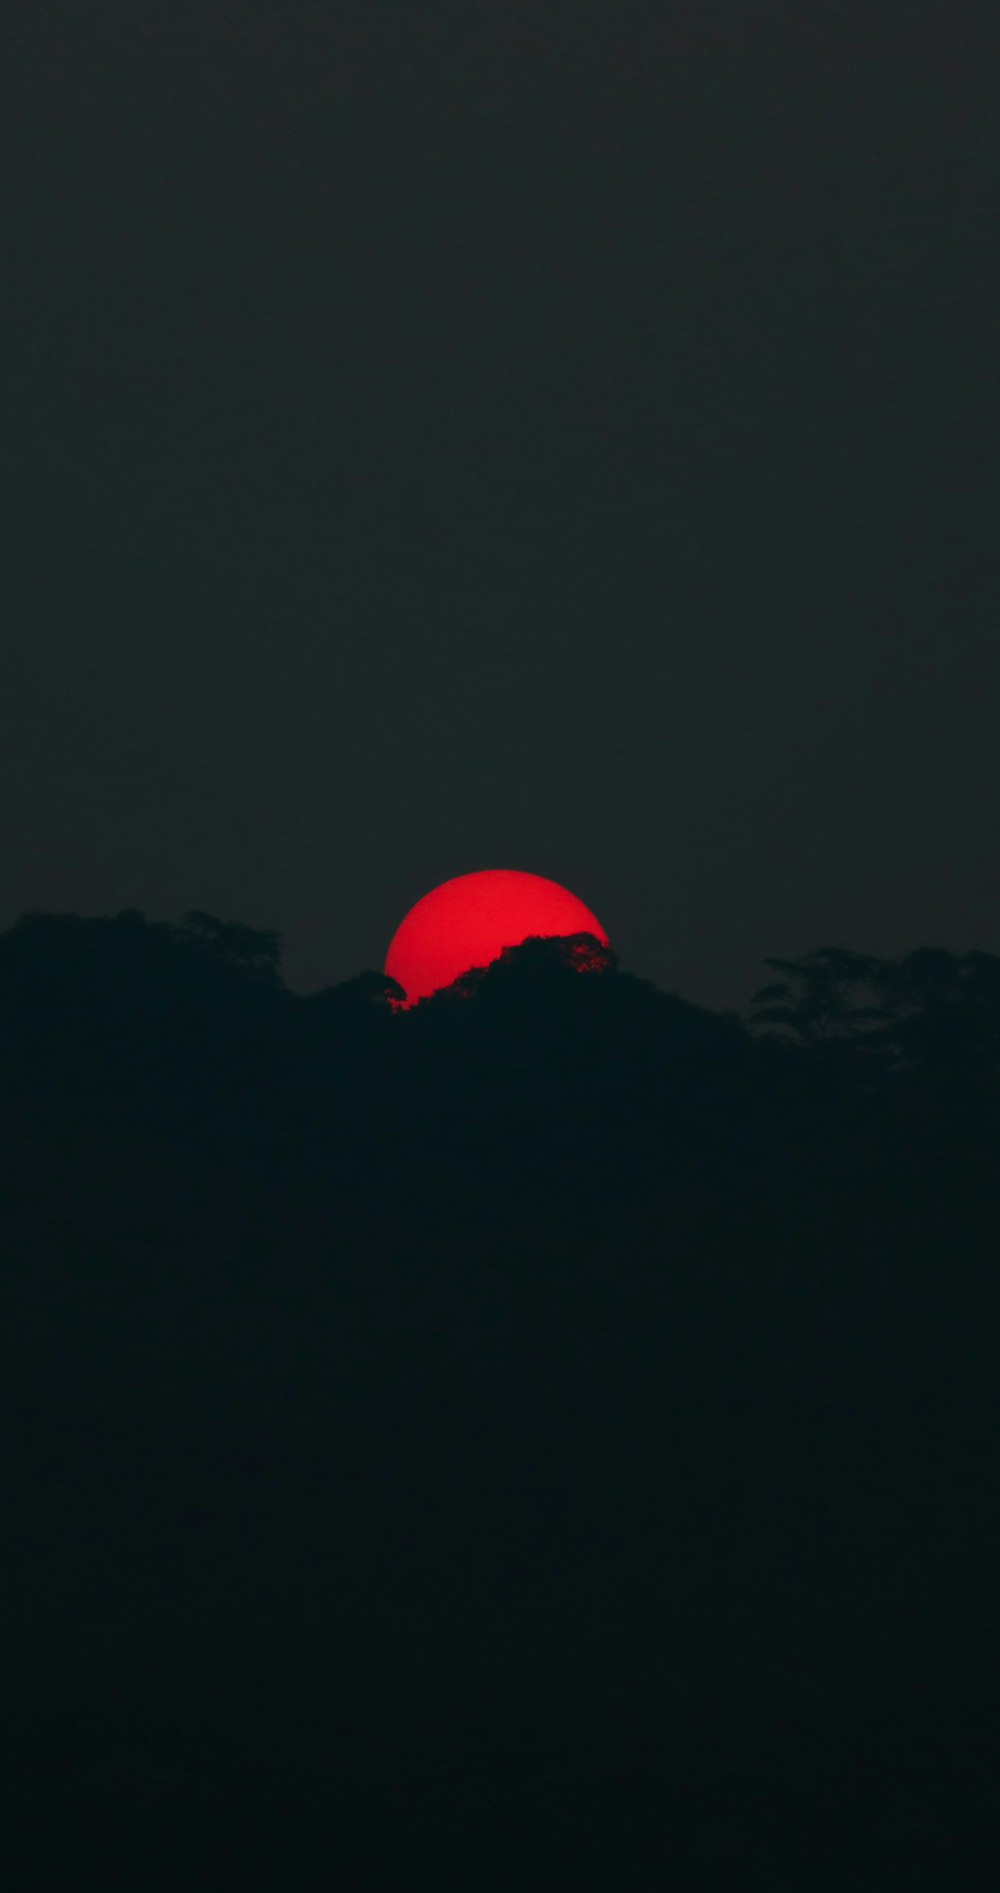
(545,436)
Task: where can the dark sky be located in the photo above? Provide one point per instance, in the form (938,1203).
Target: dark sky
(556,434)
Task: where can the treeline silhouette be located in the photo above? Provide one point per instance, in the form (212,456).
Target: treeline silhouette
(544,1437)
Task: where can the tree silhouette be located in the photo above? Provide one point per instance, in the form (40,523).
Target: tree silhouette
(249,948)
(817,1000)
(941,1012)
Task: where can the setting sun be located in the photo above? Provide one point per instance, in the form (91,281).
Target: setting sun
(469,921)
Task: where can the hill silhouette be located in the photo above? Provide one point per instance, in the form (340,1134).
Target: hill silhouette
(542,1437)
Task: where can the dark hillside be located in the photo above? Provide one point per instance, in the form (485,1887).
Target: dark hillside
(543,1438)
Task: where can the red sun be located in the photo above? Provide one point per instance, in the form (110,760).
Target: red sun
(468,922)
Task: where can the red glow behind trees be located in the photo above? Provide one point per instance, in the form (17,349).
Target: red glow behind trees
(467,922)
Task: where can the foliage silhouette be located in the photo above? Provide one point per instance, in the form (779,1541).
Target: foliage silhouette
(816,998)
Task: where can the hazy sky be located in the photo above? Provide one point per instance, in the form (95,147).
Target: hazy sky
(555,434)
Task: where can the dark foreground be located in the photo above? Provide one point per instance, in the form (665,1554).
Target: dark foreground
(545,1440)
